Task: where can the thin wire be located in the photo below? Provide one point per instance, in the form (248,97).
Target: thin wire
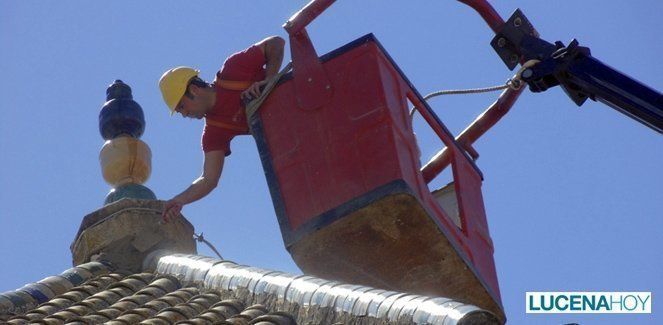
(200,238)
(514,83)
(511,83)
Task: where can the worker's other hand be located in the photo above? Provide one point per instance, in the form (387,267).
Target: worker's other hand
(254,90)
(171,209)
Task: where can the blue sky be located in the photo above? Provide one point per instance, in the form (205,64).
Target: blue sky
(573,195)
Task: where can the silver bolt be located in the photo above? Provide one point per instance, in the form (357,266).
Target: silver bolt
(501,42)
(517,22)
(310,79)
(527,73)
(327,87)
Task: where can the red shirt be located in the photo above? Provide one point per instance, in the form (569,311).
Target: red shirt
(246,65)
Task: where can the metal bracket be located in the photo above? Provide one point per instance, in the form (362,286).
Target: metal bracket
(554,71)
(312,86)
(579,74)
(518,40)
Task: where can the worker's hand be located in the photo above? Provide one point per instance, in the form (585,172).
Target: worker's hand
(254,91)
(171,209)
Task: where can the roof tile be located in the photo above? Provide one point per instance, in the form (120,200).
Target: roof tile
(195,321)
(33,316)
(61,316)
(96,318)
(237,320)
(156,321)
(185,309)
(210,317)
(158,304)
(78,322)
(169,314)
(109,313)
(57,284)
(40,292)
(120,322)
(138,299)
(21,318)
(255,311)
(79,293)
(277,318)
(77,310)
(99,301)
(273,298)
(127,303)
(47,309)
(206,300)
(137,315)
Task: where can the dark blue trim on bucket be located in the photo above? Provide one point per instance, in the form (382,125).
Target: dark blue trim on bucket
(256,127)
(398,186)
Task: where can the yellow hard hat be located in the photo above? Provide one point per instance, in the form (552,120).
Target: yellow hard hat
(173,85)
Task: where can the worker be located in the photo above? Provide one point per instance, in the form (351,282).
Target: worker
(241,77)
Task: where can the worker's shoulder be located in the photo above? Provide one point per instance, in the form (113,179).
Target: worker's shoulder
(247,54)
(242,65)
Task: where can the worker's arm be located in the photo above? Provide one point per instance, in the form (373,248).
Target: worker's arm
(272,48)
(212,167)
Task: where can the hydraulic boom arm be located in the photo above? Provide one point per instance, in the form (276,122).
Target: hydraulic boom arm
(580,74)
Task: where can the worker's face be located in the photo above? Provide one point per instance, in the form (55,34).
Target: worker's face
(194,105)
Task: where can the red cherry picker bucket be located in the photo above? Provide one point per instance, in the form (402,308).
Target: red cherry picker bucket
(336,141)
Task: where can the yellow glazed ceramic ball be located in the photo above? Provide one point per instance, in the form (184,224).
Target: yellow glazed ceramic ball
(125,160)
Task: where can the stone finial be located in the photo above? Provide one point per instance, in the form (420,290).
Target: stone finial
(129,226)
(126,161)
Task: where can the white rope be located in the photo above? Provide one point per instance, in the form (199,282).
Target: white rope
(514,83)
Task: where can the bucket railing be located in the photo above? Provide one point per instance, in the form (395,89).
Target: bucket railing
(489,117)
